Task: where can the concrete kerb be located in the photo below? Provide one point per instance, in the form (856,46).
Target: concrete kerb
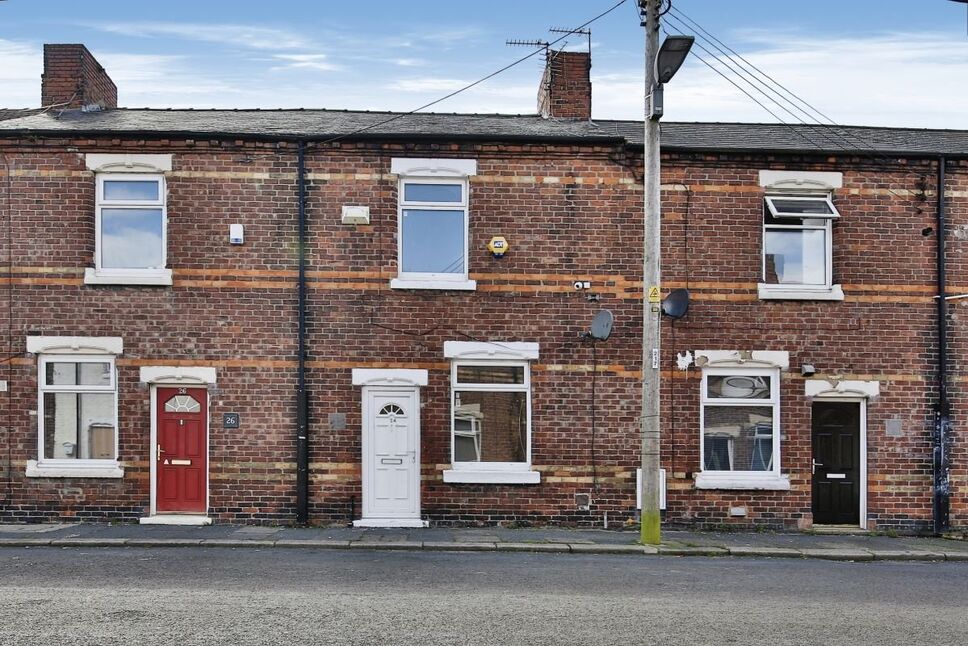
(89,542)
(386,545)
(771,552)
(841,554)
(561,548)
(326,544)
(838,554)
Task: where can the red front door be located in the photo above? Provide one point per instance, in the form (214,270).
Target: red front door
(182,450)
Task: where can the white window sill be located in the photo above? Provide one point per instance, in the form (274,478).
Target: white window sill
(769,291)
(765,482)
(492,477)
(100,469)
(455,285)
(162,277)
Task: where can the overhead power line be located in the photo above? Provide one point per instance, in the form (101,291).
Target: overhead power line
(775,87)
(578,29)
(833,134)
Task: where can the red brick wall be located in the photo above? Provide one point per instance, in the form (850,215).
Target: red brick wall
(569,213)
(73,79)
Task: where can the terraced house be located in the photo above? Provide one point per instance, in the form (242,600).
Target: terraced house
(280,316)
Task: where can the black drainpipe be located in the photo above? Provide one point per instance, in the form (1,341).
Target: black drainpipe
(302,398)
(942,413)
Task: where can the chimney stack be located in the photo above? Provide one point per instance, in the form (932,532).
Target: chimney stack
(74,79)
(566,88)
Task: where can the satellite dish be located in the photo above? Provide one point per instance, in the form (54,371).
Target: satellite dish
(601,325)
(676,304)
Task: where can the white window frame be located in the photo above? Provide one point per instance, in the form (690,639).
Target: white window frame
(433,171)
(804,291)
(494,354)
(76,467)
(100,275)
(721,479)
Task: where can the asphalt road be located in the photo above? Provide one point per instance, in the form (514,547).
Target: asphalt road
(279,596)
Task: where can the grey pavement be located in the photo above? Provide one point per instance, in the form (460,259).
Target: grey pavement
(852,547)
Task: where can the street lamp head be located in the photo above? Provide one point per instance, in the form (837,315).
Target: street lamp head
(671,55)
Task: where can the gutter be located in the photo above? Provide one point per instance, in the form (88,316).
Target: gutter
(302,397)
(941,455)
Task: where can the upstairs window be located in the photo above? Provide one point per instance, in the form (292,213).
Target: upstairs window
(433,230)
(797,247)
(130,225)
(433,223)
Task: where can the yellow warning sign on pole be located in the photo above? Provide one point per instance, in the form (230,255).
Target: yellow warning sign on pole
(654,294)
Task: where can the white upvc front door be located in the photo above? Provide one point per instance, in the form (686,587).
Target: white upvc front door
(391,458)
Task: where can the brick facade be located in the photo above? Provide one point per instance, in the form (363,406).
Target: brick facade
(570,212)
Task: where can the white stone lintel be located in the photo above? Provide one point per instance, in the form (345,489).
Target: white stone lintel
(508,350)
(433,167)
(826,389)
(75,345)
(743,359)
(179,375)
(389,377)
(127,163)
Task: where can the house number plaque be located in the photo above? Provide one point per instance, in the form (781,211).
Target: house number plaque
(231,420)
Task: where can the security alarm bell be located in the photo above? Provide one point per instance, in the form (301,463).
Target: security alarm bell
(498,246)
(236,234)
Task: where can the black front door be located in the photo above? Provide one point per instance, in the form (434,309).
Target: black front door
(836,463)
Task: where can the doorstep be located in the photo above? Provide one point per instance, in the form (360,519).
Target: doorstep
(838,530)
(391,522)
(176,519)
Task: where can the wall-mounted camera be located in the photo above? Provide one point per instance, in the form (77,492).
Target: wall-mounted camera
(583,284)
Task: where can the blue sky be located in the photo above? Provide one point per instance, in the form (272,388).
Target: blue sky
(867,62)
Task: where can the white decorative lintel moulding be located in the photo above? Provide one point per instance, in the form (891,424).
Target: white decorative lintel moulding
(433,167)
(507,350)
(127,163)
(400,377)
(75,345)
(743,359)
(821,389)
(181,375)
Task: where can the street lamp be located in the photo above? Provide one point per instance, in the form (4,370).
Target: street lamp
(671,55)
(660,66)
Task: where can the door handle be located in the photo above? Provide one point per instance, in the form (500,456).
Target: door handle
(159,452)
(814,465)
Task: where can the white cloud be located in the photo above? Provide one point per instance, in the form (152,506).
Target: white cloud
(895,79)
(306,61)
(408,62)
(245,36)
(23,63)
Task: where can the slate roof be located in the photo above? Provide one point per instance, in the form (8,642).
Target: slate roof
(324,124)
(13,113)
